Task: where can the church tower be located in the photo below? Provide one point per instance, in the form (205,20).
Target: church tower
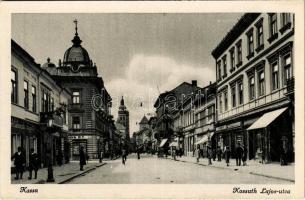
(123,117)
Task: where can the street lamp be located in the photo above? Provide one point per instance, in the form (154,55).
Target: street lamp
(50,165)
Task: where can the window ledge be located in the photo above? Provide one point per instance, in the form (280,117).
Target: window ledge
(258,49)
(285,27)
(273,37)
(250,55)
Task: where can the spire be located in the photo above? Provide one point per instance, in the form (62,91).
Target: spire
(122,101)
(76,40)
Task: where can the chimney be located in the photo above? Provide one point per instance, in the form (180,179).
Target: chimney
(194,82)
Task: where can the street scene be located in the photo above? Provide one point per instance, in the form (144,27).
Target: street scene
(153,98)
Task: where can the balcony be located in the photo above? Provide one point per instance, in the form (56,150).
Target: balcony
(259,102)
(46,116)
(76,107)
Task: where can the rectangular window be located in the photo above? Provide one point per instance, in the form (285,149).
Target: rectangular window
(44,102)
(210,113)
(250,44)
(52,104)
(220,103)
(240,93)
(275,75)
(26,94)
(232,55)
(273,24)
(226,100)
(261,85)
(219,69)
(251,88)
(239,53)
(233,91)
(34,98)
(260,36)
(14,83)
(76,123)
(287,68)
(224,61)
(285,19)
(76,96)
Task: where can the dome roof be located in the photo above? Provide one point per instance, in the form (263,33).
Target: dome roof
(76,54)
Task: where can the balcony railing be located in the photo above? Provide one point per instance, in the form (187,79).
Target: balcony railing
(273,96)
(46,116)
(75,107)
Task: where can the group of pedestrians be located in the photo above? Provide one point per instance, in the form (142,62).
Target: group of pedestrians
(20,162)
(212,154)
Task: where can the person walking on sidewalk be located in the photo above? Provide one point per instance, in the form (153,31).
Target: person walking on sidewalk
(245,154)
(210,154)
(174,153)
(197,153)
(19,162)
(219,154)
(138,153)
(227,154)
(238,154)
(82,158)
(124,156)
(33,164)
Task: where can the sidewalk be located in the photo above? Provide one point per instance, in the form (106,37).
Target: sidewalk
(61,174)
(270,170)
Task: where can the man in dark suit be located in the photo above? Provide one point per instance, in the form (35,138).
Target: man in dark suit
(33,164)
(19,162)
(82,158)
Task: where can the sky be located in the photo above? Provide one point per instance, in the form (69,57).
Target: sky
(138,55)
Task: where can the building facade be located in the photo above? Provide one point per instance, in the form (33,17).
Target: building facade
(38,110)
(123,118)
(254,72)
(90,120)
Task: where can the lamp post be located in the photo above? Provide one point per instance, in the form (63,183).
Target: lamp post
(50,151)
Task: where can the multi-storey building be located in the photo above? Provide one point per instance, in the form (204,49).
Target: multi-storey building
(123,118)
(39,115)
(90,120)
(254,71)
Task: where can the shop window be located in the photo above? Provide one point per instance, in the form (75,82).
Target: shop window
(14,84)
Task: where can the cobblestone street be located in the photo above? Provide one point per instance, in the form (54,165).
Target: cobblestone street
(150,170)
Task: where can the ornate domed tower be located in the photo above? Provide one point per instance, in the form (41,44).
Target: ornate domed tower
(90,121)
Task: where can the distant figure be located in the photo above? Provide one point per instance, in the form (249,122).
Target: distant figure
(245,154)
(101,157)
(283,157)
(239,151)
(82,158)
(138,153)
(197,153)
(124,156)
(210,154)
(19,162)
(227,154)
(174,153)
(33,164)
(219,154)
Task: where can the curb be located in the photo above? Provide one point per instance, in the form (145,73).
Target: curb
(253,173)
(81,173)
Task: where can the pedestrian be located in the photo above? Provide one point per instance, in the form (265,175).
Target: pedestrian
(138,153)
(19,162)
(82,158)
(283,157)
(245,154)
(227,155)
(33,164)
(238,154)
(219,154)
(101,156)
(197,153)
(263,155)
(210,154)
(174,153)
(124,156)
(214,154)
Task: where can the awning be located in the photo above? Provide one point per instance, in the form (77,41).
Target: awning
(163,142)
(173,144)
(266,119)
(204,139)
